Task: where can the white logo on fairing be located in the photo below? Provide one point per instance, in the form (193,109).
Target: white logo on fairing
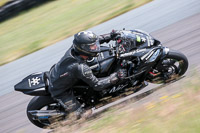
(143,39)
(132,53)
(34,81)
(114,89)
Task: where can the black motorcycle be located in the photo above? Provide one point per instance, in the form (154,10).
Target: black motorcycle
(145,59)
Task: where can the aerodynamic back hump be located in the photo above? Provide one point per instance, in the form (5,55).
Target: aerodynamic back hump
(34,84)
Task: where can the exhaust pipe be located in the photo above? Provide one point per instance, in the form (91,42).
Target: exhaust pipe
(45,114)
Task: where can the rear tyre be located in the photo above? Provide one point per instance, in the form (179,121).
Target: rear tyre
(38,103)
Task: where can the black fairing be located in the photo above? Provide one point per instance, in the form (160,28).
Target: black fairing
(34,84)
(102,64)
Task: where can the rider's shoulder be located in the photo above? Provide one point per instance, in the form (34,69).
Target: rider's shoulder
(83,69)
(83,66)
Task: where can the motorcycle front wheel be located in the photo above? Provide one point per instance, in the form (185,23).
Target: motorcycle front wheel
(171,67)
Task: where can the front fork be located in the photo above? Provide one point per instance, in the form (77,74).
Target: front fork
(165,52)
(155,73)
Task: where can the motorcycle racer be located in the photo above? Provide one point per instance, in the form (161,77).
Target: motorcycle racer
(71,89)
(72,67)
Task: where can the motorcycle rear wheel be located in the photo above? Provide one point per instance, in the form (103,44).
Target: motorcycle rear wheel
(39,103)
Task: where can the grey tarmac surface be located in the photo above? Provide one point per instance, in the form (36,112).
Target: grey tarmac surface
(175,23)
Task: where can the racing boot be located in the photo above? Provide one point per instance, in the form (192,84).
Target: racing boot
(72,106)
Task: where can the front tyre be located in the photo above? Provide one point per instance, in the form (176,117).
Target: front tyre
(173,66)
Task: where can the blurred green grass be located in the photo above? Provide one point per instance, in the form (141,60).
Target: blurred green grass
(177,113)
(171,113)
(54,21)
(2,2)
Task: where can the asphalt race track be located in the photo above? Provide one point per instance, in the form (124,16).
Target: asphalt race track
(175,23)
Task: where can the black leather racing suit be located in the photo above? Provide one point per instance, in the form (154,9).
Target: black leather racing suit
(69,70)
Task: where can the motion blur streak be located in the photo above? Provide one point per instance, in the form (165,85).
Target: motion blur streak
(151,18)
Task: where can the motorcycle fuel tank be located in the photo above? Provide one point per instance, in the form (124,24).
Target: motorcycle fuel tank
(102,63)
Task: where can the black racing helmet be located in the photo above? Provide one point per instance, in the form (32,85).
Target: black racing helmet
(86,43)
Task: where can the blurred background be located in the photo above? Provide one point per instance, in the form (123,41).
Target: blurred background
(27,26)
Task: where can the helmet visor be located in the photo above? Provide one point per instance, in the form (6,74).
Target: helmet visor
(92,48)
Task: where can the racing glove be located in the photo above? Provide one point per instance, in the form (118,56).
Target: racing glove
(122,74)
(115,34)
